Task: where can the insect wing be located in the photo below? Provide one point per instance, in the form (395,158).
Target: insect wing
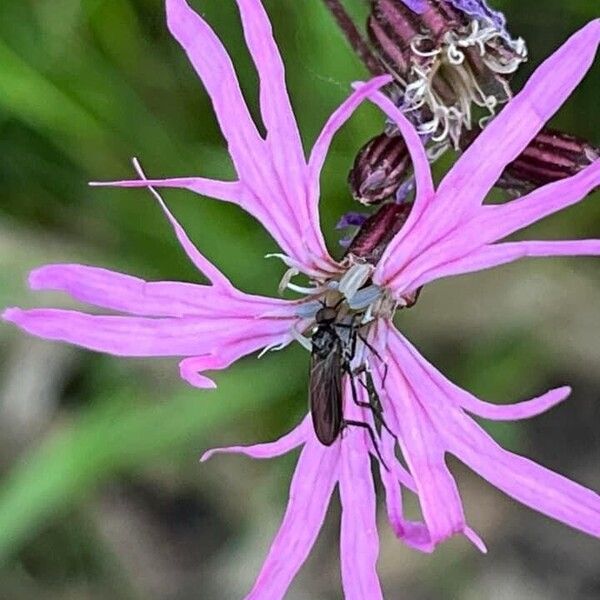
(325,395)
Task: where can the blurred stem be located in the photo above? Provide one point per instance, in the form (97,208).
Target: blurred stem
(354,37)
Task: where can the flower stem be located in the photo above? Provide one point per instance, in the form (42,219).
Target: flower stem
(354,37)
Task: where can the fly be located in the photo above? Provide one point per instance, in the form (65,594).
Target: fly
(331,359)
(326,369)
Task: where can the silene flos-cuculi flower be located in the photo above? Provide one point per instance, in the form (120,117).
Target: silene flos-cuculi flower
(449,231)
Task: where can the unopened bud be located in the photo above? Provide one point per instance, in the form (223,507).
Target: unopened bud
(377,231)
(380,168)
(448,58)
(551,156)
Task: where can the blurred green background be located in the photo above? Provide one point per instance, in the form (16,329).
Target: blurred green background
(101,493)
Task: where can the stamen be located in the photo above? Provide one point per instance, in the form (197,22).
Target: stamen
(354,278)
(301,339)
(365,298)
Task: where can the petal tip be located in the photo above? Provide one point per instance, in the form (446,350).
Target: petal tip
(37,279)
(207,455)
(11,314)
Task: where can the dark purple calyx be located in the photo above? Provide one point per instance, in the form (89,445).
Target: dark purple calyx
(551,156)
(382,165)
(377,231)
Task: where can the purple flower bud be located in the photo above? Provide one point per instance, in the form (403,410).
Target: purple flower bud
(450,62)
(377,232)
(381,166)
(551,156)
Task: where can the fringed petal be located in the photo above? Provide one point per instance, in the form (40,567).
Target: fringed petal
(359,540)
(498,221)
(128,294)
(507,252)
(467,184)
(117,335)
(495,222)
(425,192)
(231,345)
(336,122)
(312,485)
(227,191)
(290,441)
(520,478)
(214,67)
(463,399)
(196,257)
(438,495)
(273,177)
(413,534)
(124,293)
(285,145)
(451,234)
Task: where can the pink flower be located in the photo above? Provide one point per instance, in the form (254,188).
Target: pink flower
(449,232)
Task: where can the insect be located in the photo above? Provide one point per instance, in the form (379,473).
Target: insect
(331,357)
(327,362)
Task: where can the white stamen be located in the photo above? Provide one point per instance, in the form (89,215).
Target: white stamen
(274,348)
(365,298)
(301,339)
(354,278)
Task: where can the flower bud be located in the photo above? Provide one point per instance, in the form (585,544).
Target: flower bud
(551,156)
(380,168)
(448,58)
(377,232)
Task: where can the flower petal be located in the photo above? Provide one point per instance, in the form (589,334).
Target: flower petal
(277,114)
(518,477)
(214,67)
(312,485)
(226,339)
(335,123)
(498,221)
(233,343)
(228,191)
(438,495)
(196,257)
(495,222)
(501,254)
(359,541)
(120,336)
(273,175)
(124,293)
(290,441)
(408,265)
(460,397)
(414,143)
(465,187)
(414,534)
(529,483)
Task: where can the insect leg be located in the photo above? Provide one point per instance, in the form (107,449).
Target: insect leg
(374,351)
(349,423)
(375,407)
